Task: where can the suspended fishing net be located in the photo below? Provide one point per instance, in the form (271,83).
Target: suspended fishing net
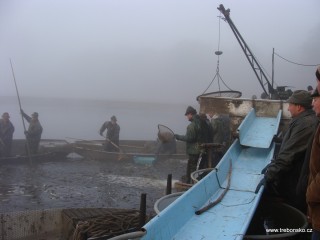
(165,134)
(223,94)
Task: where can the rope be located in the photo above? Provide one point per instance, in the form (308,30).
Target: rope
(300,64)
(218,63)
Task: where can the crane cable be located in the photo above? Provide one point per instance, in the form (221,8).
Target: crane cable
(300,64)
(218,53)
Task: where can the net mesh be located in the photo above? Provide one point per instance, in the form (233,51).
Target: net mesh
(165,134)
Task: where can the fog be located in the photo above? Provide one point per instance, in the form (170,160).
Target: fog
(152,50)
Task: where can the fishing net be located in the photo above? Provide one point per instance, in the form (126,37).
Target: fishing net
(222,94)
(165,134)
(108,225)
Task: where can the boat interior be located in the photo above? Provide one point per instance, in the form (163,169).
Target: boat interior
(222,204)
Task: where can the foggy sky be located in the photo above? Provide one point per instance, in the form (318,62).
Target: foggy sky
(152,50)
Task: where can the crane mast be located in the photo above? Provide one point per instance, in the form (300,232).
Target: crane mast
(262,78)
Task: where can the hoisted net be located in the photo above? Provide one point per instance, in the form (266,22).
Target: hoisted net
(165,134)
(221,94)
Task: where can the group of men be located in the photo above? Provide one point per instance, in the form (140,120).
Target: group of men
(200,131)
(293,175)
(33,134)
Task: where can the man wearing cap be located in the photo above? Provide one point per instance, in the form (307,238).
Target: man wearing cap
(198,132)
(313,189)
(6,135)
(112,137)
(34,132)
(282,174)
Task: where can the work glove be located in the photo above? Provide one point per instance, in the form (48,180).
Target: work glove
(277,139)
(260,184)
(264,169)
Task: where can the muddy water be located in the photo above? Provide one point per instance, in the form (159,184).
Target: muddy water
(78,182)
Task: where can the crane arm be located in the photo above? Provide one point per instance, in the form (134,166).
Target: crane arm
(262,78)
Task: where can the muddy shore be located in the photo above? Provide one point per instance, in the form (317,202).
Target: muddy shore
(77,182)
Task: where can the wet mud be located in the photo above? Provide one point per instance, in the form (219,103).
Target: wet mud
(77,182)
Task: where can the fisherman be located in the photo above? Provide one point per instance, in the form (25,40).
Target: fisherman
(313,188)
(112,137)
(198,132)
(221,135)
(6,135)
(34,132)
(310,89)
(208,133)
(282,174)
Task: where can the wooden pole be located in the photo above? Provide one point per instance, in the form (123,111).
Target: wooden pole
(169,184)
(24,125)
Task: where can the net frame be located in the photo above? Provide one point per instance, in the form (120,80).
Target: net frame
(222,94)
(165,134)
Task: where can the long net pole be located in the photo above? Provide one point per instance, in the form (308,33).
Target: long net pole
(15,83)
(24,125)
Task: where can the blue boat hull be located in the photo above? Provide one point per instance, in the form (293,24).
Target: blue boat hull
(235,180)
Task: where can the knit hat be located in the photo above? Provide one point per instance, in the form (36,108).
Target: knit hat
(35,114)
(318,73)
(301,97)
(190,110)
(5,114)
(113,118)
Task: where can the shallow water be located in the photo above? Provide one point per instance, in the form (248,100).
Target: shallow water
(84,183)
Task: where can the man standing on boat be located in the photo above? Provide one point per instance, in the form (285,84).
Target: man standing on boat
(6,135)
(34,132)
(112,137)
(221,135)
(198,132)
(282,174)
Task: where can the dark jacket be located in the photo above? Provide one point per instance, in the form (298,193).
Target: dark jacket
(33,134)
(283,172)
(221,130)
(313,190)
(301,189)
(6,130)
(6,135)
(198,132)
(113,131)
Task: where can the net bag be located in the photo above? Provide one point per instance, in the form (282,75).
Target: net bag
(165,134)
